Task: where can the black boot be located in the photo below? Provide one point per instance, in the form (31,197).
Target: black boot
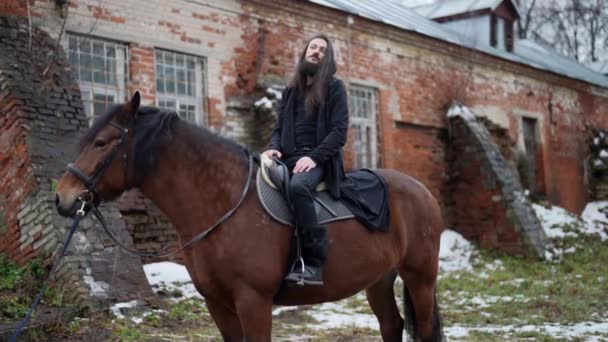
(314,252)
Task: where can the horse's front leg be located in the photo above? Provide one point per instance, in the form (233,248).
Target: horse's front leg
(226,321)
(255,314)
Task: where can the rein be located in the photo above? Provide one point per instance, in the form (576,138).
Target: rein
(91,182)
(195,239)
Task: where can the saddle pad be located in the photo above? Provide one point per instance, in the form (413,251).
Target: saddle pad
(275,205)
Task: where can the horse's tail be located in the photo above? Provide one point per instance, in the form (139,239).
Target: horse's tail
(410,314)
(437,322)
(410,317)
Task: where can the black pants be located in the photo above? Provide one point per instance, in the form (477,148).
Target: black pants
(302,190)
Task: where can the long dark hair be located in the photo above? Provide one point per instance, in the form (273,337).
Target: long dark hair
(314,94)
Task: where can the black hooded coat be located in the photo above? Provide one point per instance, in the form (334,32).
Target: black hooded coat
(362,191)
(332,127)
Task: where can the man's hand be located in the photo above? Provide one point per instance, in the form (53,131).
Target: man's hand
(271,153)
(304,164)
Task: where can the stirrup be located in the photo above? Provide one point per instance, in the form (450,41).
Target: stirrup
(299,260)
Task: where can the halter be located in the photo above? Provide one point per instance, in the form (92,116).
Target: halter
(91,182)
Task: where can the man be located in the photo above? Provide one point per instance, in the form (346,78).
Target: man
(310,133)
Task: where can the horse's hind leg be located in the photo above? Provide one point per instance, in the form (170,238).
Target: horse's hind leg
(426,314)
(227,321)
(381,298)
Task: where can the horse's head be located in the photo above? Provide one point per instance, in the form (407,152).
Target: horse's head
(102,171)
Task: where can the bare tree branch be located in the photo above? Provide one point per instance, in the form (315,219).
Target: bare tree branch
(523,24)
(60,37)
(577,28)
(29,23)
(52,61)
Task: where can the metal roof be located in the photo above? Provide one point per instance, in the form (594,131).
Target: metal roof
(394,13)
(446,8)
(600,66)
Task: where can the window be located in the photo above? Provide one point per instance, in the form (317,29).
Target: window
(179,84)
(509,35)
(493,33)
(364,108)
(501,33)
(529,130)
(501,40)
(99,66)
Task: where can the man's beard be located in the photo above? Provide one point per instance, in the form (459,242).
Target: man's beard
(307,68)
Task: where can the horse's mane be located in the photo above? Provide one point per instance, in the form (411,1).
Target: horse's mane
(155,128)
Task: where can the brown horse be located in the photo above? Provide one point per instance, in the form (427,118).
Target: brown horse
(196,176)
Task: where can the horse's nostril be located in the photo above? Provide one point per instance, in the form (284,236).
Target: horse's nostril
(56,200)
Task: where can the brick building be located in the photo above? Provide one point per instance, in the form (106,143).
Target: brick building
(209,60)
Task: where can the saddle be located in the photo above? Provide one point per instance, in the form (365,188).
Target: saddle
(272,182)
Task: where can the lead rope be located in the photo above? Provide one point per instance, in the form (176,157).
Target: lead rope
(79,215)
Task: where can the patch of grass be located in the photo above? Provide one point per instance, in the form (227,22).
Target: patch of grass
(54,184)
(345,334)
(358,304)
(153,320)
(129,333)
(12,307)
(18,285)
(297,315)
(188,310)
(528,290)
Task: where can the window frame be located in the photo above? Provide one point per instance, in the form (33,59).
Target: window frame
(198,99)
(89,89)
(365,128)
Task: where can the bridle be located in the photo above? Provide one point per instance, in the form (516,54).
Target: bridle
(90,198)
(90,183)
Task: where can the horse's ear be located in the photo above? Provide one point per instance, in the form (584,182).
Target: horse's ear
(133,105)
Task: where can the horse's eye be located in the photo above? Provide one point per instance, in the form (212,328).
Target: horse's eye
(100,143)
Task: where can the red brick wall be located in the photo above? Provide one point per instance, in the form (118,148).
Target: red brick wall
(150,229)
(251,42)
(16,178)
(417,79)
(40,115)
(476,200)
(141,73)
(15,7)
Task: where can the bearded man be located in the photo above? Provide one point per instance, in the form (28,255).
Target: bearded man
(311,130)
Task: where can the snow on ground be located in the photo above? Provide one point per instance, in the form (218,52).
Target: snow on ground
(596,220)
(169,277)
(119,308)
(263,102)
(559,223)
(568,332)
(592,220)
(553,220)
(456,253)
(335,315)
